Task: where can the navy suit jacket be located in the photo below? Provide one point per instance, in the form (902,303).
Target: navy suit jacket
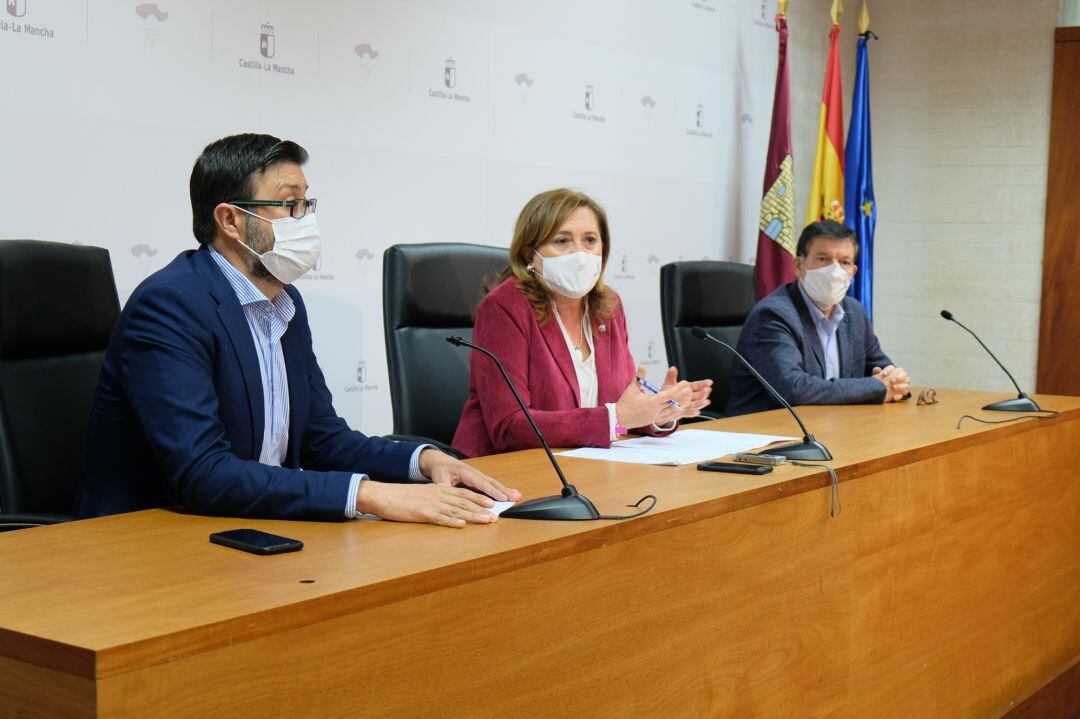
(780,341)
(177,417)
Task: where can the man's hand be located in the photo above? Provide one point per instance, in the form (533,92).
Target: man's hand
(443,469)
(445,501)
(896,381)
(431,503)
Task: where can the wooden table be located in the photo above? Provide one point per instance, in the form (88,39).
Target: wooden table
(948,586)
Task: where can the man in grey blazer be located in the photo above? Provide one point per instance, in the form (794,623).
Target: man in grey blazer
(811,341)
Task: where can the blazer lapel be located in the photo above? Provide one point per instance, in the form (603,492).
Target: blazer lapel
(602,348)
(809,331)
(232,318)
(553,335)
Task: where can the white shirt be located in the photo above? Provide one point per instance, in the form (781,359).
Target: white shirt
(584,368)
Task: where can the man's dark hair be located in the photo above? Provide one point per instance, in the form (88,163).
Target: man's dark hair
(226,170)
(825,228)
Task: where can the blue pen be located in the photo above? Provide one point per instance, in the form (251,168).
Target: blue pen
(644,384)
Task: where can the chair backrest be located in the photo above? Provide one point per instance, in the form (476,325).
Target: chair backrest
(58,305)
(431,290)
(716,296)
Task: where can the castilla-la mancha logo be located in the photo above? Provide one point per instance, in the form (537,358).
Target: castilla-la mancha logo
(361,379)
(590,106)
(450,73)
(267,49)
(266,41)
(17,8)
(449,81)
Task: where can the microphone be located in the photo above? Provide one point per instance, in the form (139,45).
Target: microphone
(568,505)
(1022,403)
(809,448)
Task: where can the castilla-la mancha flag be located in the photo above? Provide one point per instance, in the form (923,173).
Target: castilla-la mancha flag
(776,224)
(826,200)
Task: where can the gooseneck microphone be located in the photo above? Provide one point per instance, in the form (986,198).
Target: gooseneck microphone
(1022,403)
(566,506)
(809,448)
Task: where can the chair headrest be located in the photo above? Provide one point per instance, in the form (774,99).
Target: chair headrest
(708,293)
(55,299)
(438,284)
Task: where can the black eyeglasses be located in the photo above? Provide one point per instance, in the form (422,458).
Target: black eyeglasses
(297,208)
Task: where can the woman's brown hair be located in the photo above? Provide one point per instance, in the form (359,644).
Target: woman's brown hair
(538,221)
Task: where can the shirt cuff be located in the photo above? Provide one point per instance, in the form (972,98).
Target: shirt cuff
(612,422)
(350,499)
(415,475)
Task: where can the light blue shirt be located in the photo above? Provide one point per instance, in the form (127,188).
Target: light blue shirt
(268,319)
(826,331)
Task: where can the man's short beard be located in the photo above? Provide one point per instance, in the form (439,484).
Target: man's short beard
(259,241)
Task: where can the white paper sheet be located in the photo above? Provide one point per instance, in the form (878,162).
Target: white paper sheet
(500,507)
(684,447)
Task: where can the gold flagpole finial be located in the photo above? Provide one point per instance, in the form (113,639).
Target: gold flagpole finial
(783,6)
(864,18)
(836,11)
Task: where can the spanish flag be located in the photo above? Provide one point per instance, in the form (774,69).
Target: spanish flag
(827,187)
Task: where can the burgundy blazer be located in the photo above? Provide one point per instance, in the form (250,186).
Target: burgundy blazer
(540,366)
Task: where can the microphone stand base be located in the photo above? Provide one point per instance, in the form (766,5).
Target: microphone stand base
(567,506)
(811,450)
(1023,403)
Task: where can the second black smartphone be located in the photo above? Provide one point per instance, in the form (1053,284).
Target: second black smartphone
(734,468)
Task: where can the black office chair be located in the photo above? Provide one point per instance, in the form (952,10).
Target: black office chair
(716,296)
(431,290)
(58,305)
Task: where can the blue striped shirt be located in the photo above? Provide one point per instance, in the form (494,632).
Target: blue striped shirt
(268,319)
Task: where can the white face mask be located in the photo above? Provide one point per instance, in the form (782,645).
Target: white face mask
(827,285)
(573,275)
(296,246)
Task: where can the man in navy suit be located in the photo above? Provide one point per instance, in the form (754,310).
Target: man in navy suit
(210,395)
(810,340)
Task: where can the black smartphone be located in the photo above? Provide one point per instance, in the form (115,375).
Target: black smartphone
(734,468)
(256,542)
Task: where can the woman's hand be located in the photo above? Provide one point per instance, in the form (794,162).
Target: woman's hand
(640,409)
(700,393)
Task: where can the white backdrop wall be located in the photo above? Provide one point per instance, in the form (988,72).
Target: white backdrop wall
(425,121)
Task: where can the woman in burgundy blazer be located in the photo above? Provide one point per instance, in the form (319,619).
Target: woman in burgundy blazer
(533,322)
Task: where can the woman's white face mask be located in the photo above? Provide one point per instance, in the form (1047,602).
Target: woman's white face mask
(572,275)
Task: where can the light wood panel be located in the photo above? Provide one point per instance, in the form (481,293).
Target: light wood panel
(949,581)
(1059,324)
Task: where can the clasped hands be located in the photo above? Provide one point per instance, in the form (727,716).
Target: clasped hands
(896,382)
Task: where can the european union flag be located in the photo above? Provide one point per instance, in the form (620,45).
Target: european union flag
(860,208)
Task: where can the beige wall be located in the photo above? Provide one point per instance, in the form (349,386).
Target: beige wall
(960,95)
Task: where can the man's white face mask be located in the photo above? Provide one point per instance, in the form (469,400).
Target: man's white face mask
(826,286)
(297,245)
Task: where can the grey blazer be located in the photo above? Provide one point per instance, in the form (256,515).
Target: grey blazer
(781,342)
